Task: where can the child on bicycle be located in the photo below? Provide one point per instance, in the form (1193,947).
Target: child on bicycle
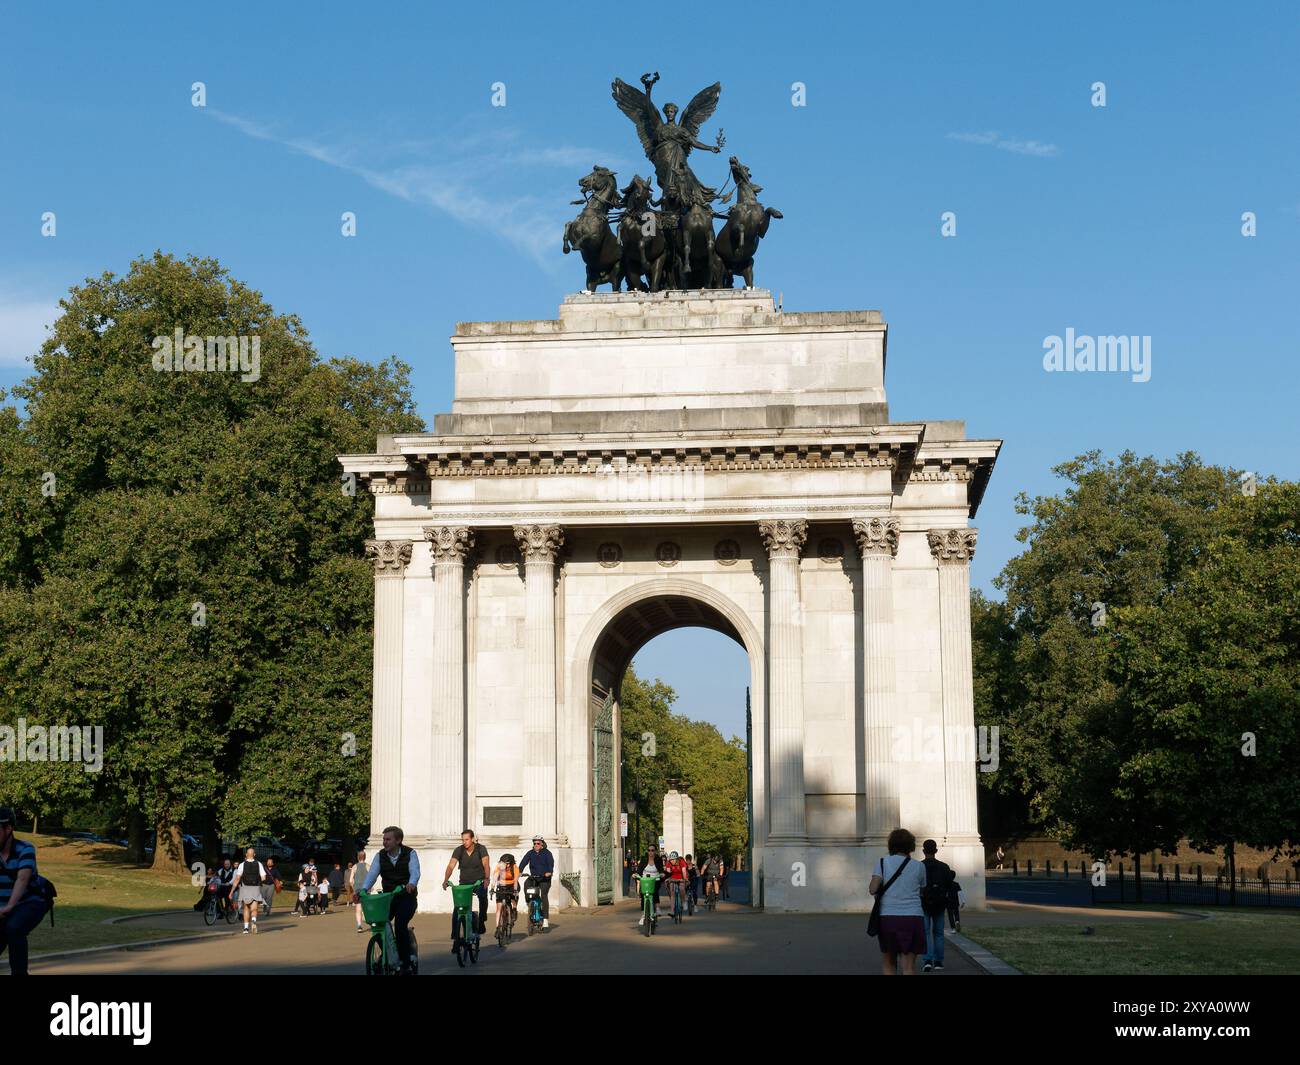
(505,883)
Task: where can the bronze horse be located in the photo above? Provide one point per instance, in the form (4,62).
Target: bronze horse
(645,249)
(747,224)
(697,264)
(590,232)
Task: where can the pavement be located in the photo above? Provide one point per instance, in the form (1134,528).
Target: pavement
(733,940)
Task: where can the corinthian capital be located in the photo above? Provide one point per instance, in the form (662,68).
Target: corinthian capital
(955,546)
(389,557)
(539,543)
(783,538)
(876,536)
(449,543)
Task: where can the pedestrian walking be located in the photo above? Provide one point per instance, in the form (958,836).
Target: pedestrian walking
(934,902)
(270,885)
(359,871)
(246,887)
(896,884)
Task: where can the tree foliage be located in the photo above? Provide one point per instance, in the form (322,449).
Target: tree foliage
(1149,626)
(682,750)
(195,584)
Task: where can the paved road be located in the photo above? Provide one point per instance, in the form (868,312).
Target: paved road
(733,940)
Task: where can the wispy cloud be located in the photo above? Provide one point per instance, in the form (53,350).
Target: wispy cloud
(474,178)
(24,325)
(1008,144)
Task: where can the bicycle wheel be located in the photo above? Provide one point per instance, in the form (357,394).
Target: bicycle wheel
(415,950)
(232,912)
(210,912)
(375,955)
(460,942)
(647,920)
(474,945)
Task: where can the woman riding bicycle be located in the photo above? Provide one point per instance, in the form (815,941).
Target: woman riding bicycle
(651,865)
(505,882)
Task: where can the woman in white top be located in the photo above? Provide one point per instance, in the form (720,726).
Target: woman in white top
(902,921)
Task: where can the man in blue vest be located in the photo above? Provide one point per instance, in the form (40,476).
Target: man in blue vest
(397,866)
(23,900)
(539,864)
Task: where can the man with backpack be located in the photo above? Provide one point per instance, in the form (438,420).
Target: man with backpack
(934,904)
(25,896)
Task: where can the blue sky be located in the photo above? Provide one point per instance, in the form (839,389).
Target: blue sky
(1117,220)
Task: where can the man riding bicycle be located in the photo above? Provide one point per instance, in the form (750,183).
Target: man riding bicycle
(712,872)
(539,863)
(475,867)
(676,869)
(397,866)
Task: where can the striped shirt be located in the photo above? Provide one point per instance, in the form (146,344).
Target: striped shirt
(22,855)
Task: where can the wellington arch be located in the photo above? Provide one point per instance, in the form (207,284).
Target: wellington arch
(643,463)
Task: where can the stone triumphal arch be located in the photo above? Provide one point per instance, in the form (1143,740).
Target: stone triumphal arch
(649,462)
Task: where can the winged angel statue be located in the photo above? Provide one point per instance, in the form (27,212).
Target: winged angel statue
(673,246)
(666,142)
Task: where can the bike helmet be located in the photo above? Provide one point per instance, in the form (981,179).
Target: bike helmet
(538,839)
(673,854)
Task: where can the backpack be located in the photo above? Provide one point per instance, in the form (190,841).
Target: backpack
(934,896)
(46,890)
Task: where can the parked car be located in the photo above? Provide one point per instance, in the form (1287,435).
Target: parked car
(87,837)
(270,847)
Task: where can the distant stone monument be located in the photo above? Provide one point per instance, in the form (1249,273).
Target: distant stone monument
(679,820)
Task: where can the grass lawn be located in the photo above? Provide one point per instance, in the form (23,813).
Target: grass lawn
(95,882)
(1230,942)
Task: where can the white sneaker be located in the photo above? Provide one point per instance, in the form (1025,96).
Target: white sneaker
(641,923)
(245,929)
(546,923)
(254,926)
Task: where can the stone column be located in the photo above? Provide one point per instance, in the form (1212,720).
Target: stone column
(448,545)
(953,549)
(389,559)
(539,545)
(878,541)
(783,540)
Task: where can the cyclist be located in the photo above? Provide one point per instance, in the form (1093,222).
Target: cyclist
(505,883)
(397,866)
(712,871)
(650,866)
(676,868)
(693,880)
(225,878)
(475,864)
(540,864)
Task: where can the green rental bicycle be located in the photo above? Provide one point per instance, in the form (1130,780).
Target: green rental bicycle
(648,916)
(382,958)
(465,939)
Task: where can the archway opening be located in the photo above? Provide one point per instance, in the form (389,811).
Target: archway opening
(671,679)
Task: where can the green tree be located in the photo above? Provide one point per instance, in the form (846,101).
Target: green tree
(1124,535)
(195,584)
(683,749)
